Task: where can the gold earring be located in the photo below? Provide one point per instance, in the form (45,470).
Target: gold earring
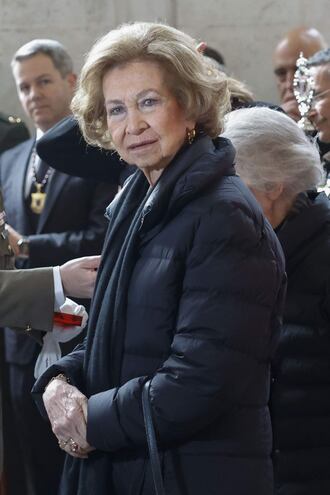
(191,134)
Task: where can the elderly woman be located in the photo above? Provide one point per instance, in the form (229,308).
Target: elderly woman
(189,290)
(279,164)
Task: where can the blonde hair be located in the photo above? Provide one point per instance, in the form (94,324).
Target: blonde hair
(199,88)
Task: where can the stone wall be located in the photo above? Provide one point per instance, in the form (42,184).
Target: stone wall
(245,31)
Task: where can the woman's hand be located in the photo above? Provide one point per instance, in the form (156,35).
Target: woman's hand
(67,411)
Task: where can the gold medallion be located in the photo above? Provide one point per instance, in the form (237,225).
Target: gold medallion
(38,199)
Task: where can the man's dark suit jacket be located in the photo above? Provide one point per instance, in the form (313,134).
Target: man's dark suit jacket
(71,225)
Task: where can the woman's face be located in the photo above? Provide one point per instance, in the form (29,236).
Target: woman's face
(147,124)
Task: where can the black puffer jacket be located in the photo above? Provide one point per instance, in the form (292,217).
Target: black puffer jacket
(300,403)
(202,320)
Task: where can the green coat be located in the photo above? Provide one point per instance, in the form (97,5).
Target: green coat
(6,257)
(27,299)
(27,296)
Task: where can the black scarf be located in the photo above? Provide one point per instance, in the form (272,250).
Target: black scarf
(107,319)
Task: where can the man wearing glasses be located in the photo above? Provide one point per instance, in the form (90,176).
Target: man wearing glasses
(320,110)
(300,39)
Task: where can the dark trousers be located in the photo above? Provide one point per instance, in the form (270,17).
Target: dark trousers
(42,459)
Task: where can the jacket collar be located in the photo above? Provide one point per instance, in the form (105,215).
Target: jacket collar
(196,168)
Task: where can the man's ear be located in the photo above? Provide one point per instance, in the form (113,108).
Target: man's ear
(72,79)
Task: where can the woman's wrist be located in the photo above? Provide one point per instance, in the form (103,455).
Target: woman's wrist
(60,376)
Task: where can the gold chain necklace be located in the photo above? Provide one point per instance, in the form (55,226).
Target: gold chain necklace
(38,198)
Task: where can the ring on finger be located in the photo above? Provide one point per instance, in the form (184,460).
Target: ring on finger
(74,447)
(63,443)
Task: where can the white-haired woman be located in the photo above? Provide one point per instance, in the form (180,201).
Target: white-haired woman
(283,168)
(188,293)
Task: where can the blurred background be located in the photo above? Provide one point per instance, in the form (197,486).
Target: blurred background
(244,31)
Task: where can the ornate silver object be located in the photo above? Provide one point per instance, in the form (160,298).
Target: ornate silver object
(303,89)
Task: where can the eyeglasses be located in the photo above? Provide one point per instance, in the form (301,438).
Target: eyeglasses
(319,97)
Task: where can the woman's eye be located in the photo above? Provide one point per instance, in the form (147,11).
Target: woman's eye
(115,111)
(149,102)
